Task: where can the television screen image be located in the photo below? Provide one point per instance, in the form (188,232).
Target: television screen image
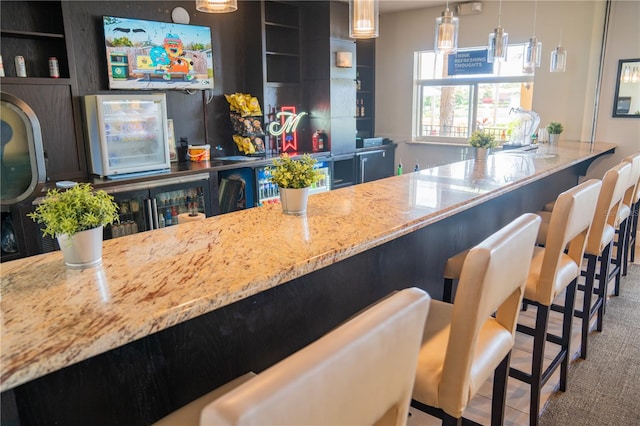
(157,55)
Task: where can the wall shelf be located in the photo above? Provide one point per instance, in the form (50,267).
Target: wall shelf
(365,96)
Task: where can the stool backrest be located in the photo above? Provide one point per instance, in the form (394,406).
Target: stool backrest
(361,373)
(613,188)
(634,192)
(492,279)
(568,228)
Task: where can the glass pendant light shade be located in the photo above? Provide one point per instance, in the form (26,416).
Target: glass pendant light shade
(446,37)
(498,43)
(217,6)
(532,56)
(558,59)
(363,18)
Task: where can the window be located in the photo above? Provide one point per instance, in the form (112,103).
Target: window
(450,107)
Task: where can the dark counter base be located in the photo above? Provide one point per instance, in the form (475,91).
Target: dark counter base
(143,381)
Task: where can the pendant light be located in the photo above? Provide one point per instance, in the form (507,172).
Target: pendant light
(498,41)
(217,6)
(558,58)
(533,49)
(446,37)
(363,18)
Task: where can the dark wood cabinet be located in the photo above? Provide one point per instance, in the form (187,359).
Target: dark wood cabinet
(52,104)
(365,86)
(376,163)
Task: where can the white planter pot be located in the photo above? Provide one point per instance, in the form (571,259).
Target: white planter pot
(82,249)
(554,137)
(294,200)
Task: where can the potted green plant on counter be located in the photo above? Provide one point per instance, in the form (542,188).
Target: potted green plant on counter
(482,142)
(554,129)
(294,178)
(76,217)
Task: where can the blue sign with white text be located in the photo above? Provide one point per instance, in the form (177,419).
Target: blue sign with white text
(469,62)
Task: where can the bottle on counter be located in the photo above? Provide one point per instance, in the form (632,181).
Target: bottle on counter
(399,169)
(174,215)
(167,217)
(161,222)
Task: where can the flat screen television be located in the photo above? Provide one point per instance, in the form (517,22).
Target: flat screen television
(157,55)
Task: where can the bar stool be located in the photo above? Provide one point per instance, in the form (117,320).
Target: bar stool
(360,373)
(633,228)
(463,343)
(552,272)
(631,199)
(622,213)
(598,249)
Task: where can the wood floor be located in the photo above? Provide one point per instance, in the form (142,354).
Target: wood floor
(517,410)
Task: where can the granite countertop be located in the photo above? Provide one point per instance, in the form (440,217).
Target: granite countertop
(52,317)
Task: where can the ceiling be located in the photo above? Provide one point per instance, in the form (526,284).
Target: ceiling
(388,6)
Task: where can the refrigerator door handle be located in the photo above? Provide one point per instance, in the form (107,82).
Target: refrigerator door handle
(149,214)
(156,224)
(363,161)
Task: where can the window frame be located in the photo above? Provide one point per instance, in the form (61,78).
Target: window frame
(472,82)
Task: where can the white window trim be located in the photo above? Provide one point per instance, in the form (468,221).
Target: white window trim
(473,82)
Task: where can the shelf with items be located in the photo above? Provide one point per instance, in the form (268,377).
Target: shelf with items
(35,31)
(365,88)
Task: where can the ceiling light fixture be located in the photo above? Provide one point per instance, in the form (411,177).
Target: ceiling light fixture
(363,18)
(498,39)
(446,37)
(533,49)
(217,6)
(558,58)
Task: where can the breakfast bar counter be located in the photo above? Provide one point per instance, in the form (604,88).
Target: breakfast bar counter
(175,312)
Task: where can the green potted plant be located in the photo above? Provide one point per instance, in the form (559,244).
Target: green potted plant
(76,217)
(554,129)
(482,142)
(294,178)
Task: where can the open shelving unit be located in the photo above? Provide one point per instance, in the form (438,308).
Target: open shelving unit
(281,42)
(34,30)
(365,95)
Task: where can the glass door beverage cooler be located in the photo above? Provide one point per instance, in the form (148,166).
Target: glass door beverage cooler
(159,204)
(127,134)
(267,192)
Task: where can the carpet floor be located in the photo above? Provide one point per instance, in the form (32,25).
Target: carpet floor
(605,389)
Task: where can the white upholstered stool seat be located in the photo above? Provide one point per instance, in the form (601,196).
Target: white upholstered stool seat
(361,373)
(463,343)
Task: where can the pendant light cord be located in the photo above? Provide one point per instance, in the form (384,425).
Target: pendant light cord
(535,14)
(499,12)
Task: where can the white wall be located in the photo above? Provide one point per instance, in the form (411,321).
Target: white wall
(566,97)
(623,42)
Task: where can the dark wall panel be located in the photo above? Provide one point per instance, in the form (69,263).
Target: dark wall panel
(193,117)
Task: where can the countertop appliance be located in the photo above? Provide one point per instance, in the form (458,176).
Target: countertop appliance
(127,134)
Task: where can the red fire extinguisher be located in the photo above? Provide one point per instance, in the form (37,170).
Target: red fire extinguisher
(318,140)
